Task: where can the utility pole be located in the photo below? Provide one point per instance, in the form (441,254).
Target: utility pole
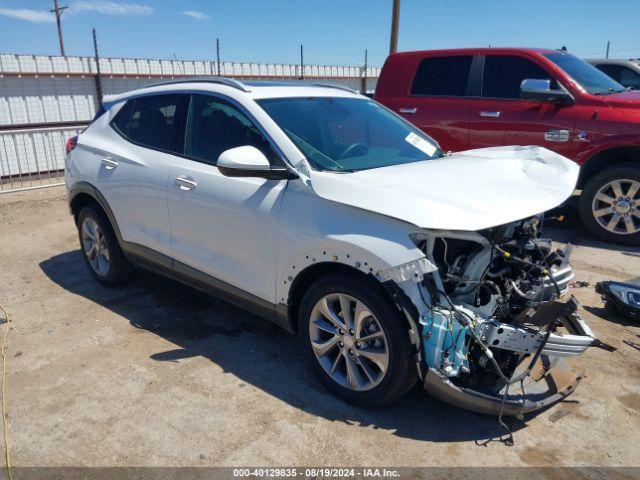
(218,54)
(301,62)
(58,11)
(395,21)
(608,44)
(364,75)
(98,77)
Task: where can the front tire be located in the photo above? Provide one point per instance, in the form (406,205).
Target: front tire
(356,341)
(610,204)
(101,251)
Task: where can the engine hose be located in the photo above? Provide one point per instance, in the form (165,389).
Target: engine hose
(545,270)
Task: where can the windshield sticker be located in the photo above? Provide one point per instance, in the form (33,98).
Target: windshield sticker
(421,144)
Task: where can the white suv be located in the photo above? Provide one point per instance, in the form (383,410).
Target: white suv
(328,214)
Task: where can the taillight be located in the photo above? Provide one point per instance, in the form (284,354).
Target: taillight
(71,144)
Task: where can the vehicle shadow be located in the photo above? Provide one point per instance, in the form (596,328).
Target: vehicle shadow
(201,325)
(570,230)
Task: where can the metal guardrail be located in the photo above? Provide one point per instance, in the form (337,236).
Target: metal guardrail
(34,157)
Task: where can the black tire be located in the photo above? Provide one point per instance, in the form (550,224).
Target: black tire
(623,171)
(401,374)
(119,270)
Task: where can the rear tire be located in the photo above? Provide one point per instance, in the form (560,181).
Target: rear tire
(610,204)
(379,320)
(100,249)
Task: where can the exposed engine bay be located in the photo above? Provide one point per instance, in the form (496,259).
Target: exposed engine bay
(495,331)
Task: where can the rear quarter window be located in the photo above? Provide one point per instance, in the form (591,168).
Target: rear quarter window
(442,76)
(154,121)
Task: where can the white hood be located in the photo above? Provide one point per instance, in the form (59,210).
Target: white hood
(469,190)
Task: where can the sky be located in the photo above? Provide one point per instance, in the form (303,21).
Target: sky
(332,31)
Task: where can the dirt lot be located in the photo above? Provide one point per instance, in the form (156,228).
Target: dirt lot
(156,374)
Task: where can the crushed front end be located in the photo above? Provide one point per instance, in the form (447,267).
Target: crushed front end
(491,327)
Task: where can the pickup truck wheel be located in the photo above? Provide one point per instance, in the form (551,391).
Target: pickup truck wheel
(610,204)
(100,248)
(356,341)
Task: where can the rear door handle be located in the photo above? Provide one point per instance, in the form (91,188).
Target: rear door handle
(490,114)
(185,183)
(109,163)
(408,110)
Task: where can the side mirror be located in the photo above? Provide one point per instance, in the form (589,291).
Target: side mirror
(540,91)
(248,161)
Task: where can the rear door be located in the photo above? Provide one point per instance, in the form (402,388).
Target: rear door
(501,117)
(133,167)
(439,100)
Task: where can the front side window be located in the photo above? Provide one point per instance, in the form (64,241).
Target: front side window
(630,78)
(445,76)
(504,74)
(584,74)
(214,125)
(613,71)
(153,121)
(349,134)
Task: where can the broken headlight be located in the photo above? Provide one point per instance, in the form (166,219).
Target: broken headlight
(624,297)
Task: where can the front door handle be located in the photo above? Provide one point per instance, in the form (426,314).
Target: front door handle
(490,114)
(185,183)
(408,110)
(109,163)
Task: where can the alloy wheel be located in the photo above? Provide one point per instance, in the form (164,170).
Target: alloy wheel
(95,246)
(616,206)
(349,342)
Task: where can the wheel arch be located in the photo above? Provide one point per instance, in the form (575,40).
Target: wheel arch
(305,278)
(607,158)
(83,194)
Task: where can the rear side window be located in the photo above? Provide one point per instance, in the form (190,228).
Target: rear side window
(445,76)
(155,121)
(504,74)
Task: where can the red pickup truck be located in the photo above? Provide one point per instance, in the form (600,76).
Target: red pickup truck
(473,98)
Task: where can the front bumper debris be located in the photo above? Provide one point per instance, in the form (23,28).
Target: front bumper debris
(549,382)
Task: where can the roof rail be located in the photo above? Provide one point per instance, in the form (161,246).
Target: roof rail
(331,85)
(229,82)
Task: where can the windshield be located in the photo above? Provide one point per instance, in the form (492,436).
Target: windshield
(349,134)
(586,75)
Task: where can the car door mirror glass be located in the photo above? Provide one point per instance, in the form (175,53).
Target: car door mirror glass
(540,90)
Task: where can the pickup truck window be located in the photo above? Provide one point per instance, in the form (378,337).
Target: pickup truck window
(504,74)
(621,74)
(349,134)
(444,76)
(586,75)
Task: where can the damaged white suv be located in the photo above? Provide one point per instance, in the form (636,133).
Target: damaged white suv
(330,215)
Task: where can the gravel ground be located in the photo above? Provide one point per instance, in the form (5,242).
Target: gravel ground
(158,374)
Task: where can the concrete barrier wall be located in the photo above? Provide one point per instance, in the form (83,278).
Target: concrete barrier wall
(49,89)
(46,99)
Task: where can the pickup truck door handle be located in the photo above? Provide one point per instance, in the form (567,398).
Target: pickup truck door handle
(408,110)
(185,183)
(109,163)
(490,114)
